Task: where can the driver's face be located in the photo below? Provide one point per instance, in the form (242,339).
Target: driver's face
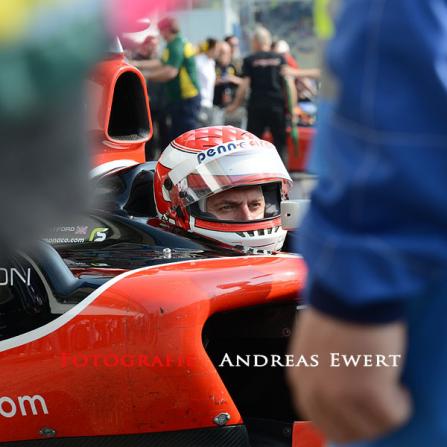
(241,204)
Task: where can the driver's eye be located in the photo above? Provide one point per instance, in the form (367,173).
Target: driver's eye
(226,208)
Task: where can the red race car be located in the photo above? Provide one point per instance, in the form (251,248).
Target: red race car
(114,332)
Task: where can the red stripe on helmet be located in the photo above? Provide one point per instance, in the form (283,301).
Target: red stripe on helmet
(204,138)
(236,226)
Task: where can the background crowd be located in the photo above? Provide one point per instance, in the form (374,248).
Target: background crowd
(210,83)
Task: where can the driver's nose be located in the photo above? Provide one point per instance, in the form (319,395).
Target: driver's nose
(245,213)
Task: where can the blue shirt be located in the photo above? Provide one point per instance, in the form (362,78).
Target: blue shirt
(375,238)
(376,233)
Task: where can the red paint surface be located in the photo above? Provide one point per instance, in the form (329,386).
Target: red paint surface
(306,435)
(101,88)
(157,311)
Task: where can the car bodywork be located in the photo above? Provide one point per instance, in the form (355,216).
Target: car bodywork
(116,333)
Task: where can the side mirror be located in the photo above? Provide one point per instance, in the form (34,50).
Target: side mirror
(293,212)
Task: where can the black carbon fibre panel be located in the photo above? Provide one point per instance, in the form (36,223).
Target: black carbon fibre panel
(232,436)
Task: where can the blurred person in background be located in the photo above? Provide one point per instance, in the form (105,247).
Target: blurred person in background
(143,58)
(267,102)
(282,47)
(305,86)
(374,238)
(236,60)
(46,51)
(177,69)
(206,71)
(227,82)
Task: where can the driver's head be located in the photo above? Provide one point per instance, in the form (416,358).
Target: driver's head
(225,184)
(241,204)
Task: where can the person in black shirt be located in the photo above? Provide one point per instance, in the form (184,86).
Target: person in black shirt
(227,79)
(262,74)
(233,42)
(227,82)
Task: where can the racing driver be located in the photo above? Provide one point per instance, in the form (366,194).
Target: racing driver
(223,184)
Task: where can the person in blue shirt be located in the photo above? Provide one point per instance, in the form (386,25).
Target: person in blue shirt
(375,238)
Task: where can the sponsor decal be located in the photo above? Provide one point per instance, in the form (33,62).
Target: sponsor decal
(98,235)
(64,229)
(9,275)
(81,230)
(22,406)
(222,149)
(64,240)
(212,152)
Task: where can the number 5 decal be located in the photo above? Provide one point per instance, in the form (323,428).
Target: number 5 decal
(98,235)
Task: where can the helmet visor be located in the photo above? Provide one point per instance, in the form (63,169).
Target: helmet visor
(241,167)
(241,204)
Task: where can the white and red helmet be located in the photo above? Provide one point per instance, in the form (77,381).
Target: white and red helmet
(207,161)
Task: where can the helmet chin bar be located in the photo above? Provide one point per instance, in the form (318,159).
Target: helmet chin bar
(251,241)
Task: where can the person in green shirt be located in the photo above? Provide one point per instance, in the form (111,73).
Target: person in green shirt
(177,69)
